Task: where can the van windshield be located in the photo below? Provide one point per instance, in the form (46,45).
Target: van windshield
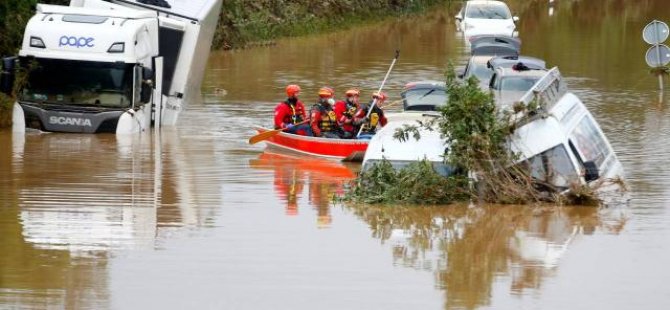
(552,166)
(80,83)
(589,142)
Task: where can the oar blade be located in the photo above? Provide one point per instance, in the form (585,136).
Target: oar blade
(264,136)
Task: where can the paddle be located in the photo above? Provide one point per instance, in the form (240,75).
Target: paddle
(270,133)
(374,101)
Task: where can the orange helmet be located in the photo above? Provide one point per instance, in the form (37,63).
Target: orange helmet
(326,92)
(379,95)
(353,92)
(292,90)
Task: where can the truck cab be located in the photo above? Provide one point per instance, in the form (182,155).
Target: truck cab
(116,66)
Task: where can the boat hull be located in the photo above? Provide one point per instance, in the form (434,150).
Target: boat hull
(339,149)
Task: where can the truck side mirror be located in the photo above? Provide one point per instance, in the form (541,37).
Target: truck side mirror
(7,75)
(515,18)
(590,171)
(147,85)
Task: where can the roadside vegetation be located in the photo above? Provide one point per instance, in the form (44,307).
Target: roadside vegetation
(476,134)
(14,15)
(247,23)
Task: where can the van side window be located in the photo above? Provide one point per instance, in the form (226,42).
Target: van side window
(588,141)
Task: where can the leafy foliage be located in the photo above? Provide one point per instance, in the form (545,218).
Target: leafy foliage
(14,15)
(417,183)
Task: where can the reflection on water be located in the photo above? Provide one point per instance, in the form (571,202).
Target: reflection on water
(69,199)
(323,178)
(469,249)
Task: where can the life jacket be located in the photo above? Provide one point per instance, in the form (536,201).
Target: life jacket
(375,116)
(328,121)
(295,116)
(350,109)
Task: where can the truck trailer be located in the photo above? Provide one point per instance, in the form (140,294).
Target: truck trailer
(117,66)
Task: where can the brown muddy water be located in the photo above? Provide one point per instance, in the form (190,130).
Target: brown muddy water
(194,218)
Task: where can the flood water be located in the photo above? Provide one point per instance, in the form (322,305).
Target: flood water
(195,218)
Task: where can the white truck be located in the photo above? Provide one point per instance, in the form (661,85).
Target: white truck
(116,66)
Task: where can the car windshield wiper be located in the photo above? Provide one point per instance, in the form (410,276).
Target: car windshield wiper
(498,14)
(427,93)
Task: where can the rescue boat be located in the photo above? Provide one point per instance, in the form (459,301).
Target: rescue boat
(337,149)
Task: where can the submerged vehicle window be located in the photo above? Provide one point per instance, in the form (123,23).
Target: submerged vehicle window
(488,11)
(552,166)
(424,99)
(482,72)
(590,144)
(80,83)
(440,168)
(518,83)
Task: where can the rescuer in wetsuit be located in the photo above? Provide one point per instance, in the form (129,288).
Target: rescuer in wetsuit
(376,117)
(322,117)
(290,114)
(345,111)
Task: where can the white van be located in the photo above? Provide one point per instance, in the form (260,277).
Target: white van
(560,141)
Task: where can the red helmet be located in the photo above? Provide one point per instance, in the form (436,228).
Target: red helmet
(326,92)
(353,92)
(292,90)
(379,95)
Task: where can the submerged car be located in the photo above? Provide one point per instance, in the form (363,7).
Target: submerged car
(420,101)
(509,83)
(485,48)
(424,96)
(479,17)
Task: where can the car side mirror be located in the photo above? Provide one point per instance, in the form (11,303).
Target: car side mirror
(458,18)
(515,18)
(590,171)
(7,75)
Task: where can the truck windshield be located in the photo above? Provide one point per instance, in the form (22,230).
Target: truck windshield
(80,83)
